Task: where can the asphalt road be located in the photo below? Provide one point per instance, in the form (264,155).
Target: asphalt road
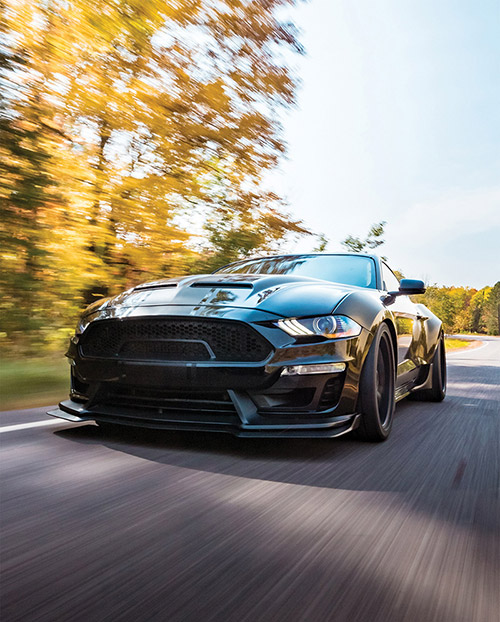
(185,527)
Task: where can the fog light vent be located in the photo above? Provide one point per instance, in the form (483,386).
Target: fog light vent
(320,368)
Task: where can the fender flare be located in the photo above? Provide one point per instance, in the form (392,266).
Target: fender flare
(368,310)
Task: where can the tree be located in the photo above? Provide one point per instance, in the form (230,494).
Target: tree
(491,311)
(373,240)
(29,194)
(464,309)
(322,243)
(236,231)
(169,118)
(131,122)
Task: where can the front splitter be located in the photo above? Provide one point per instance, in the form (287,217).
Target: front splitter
(335,426)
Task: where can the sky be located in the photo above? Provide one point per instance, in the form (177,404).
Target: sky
(398,119)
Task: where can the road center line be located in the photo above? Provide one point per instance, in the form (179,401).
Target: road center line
(33,424)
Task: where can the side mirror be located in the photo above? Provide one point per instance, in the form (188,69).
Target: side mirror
(406,288)
(411,286)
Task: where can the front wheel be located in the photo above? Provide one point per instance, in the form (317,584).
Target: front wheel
(377,388)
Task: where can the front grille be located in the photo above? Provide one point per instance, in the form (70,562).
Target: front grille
(170,350)
(174,339)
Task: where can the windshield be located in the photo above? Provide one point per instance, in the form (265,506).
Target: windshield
(347,269)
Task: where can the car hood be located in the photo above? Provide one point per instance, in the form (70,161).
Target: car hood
(282,295)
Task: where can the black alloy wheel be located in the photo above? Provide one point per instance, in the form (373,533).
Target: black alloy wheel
(377,383)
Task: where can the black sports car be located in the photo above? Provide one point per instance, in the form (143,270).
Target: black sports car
(311,345)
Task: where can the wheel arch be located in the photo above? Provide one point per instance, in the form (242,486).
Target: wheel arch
(367,308)
(394,337)
(388,320)
(434,331)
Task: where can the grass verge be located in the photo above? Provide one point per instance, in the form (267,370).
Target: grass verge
(460,344)
(33,382)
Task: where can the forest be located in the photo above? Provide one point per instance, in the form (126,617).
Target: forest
(464,309)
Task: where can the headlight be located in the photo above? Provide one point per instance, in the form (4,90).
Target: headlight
(329,326)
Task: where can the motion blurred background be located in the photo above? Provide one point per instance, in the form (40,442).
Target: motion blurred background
(142,139)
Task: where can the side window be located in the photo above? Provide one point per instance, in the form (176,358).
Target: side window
(391,283)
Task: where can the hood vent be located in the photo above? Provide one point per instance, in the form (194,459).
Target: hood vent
(223,284)
(154,286)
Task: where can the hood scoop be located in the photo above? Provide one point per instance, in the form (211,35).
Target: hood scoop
(223,284)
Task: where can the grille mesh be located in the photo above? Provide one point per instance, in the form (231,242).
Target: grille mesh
(174,339)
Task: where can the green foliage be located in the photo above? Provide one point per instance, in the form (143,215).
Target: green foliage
(238,230)
(33,382)
(373,240)
(464,310)
(28,193)
(491,310)
(322,244)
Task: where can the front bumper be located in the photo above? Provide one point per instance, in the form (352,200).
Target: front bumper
(243,399)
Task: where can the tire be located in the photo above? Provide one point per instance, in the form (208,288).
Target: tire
(437,390)
(377,384)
